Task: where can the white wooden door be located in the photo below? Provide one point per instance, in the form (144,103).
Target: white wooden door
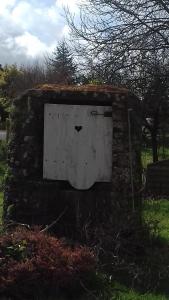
(78,144)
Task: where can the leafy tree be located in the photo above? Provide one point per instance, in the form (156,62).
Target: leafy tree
(8,77)
(14,80)
(61,67)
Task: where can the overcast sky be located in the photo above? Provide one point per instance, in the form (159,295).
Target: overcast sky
(30,28)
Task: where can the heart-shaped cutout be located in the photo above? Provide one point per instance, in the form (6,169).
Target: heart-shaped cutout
(78,128)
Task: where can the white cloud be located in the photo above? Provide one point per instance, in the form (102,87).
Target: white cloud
(52,14)
(31,44)
(72,4)
(28,28)
(22,15)
(5,5)
(65,30)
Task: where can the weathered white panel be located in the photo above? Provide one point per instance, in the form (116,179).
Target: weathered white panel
(77,144)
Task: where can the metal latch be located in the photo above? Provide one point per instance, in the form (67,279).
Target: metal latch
(106,113)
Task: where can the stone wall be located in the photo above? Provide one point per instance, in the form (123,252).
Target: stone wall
(30,199)
(157,179)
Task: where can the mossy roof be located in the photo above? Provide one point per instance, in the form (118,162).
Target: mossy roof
(83,88)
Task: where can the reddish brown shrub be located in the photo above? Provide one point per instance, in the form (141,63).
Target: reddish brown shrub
(31,261)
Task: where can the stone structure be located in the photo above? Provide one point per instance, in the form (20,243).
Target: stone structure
(31,199)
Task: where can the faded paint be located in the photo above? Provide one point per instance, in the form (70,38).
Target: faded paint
(78,144)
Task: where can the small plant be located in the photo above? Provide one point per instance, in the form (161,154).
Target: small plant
(17,251)
(32,262)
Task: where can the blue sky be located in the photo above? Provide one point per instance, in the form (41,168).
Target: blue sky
(31,28)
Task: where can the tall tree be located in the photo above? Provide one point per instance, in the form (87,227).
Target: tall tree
(132,37)
(156,104)
(9,75)
(61,66)
(14,80)
(32,75)
(122,27)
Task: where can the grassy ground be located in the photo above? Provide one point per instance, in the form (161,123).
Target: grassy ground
(132,295)
(147,155)
(156,213)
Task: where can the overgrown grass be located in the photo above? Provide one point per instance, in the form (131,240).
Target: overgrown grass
(156,260)
(147,158)
(131,294)
(156,214)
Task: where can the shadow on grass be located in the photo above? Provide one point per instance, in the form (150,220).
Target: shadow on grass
(147,270)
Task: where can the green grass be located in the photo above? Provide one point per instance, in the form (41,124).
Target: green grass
(133,295)
(147,155)
(156,214)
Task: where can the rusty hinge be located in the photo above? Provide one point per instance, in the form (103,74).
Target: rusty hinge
(106,113)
